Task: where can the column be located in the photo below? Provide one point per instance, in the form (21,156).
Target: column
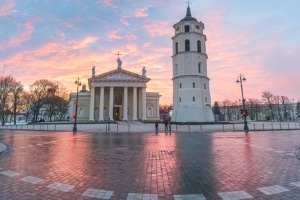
(92,104)
(144,103)
(101,104)
(134,104)
(125,105)
(111,103)
(157,107)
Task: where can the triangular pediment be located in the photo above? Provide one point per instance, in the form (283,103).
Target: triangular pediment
(119,75)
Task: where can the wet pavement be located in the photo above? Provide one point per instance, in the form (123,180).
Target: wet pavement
(231,165)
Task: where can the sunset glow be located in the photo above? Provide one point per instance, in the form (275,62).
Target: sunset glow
(63,40)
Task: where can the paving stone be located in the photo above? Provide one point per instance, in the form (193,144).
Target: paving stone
(273,189)
(235,195)
(189,197)
(60,186)
(96,193)
(10,173)
(32,180)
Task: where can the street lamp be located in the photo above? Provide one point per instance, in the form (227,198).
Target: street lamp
(78,83)
(244,112)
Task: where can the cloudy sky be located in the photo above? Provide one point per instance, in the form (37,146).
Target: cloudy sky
(62,40)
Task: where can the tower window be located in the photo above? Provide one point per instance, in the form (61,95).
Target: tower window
(176,69)
(179,85)
(193,98)
(187,45)
(205,99)
(204,86)
(176,47)
(193,85)
(186,28)
(200,67)
(199,46)
(179,99)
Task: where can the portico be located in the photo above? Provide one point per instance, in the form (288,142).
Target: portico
(118,95)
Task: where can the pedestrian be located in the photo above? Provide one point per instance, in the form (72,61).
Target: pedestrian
(166,124)
(169,123)
(156,126)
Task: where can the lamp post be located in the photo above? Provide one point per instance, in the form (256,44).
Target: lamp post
(244,112)
(78,83)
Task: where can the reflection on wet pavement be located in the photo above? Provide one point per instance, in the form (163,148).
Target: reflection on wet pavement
(149,166)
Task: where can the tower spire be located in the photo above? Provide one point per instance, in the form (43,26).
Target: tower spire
(188,10)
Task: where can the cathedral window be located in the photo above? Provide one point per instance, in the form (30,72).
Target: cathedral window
(186,28)
(187,45)
(199,67)
(176,47)
(205,99)
(199,46)
(179,99)
(204,86)
(193,85)
(179,85)
(176,69)
(193,98)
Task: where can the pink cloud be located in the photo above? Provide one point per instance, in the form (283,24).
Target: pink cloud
(20,37)
(7,8)
(114,35)
(84,43)
(141,13)
(155,28)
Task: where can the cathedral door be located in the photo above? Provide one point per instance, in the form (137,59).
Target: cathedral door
(116,113)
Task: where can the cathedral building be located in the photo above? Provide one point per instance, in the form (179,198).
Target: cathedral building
(118,95)
(191,95)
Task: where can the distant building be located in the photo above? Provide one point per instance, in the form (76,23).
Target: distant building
(191,96)
(116,95)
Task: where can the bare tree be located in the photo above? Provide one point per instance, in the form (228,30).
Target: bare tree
(16,93)
(40,90)
(269,98)
(5,89)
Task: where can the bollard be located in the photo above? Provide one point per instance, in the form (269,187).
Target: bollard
(263,126)
(128,127)
(117,127)
(233,127)
(223,128)
(200,128)
(288,126)
(280,126)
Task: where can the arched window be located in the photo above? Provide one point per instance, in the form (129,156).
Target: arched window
(179,99)
(187,45)
(204,86)
(176,47)
(176,69)
(205,99)
(199,46)
(193,85)
(193,98)
(199,67)
(179,85)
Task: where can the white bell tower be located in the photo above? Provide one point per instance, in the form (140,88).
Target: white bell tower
(191,96)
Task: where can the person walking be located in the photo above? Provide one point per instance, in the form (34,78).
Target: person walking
(169,124)
(166,124)
(156,126)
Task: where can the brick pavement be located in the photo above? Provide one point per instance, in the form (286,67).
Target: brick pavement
(232,165)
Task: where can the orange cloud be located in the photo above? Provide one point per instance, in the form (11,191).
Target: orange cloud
(84,43)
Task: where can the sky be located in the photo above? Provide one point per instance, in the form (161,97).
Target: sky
(63,40)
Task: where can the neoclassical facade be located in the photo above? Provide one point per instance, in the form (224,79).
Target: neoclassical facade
(191,96)
(116,95)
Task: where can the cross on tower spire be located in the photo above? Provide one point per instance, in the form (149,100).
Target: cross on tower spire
(188,3)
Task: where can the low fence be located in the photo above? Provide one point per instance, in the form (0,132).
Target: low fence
(150,127)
